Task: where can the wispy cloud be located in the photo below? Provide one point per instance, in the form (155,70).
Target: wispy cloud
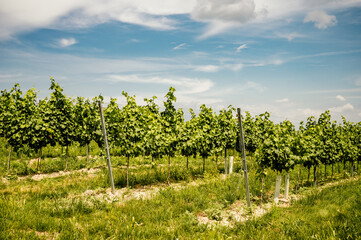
(179,46)
(254,86)
(66,42)
(290,36)
(283,100)
(235,67)
(134,40)
(10,76)
(324,54)
(207,68)
(186,85)
(345,90)
(240,48)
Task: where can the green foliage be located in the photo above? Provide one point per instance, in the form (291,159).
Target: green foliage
(29,125)
(87,120)
(13,116)
(170,119)
(153,135)
(131,127)
(206,129)
(276,150)
(226,130)
(188,136)
(60,116)
(256,130)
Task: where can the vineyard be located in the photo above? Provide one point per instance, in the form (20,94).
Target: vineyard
(189,173)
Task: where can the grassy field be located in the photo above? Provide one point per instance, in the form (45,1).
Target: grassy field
(77,206)
(48,203)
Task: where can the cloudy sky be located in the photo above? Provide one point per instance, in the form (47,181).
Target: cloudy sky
(292,58)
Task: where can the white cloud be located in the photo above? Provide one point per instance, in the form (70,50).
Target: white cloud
(238,11)
(66,42)
(19,16)
(253,86)
(290,36)
(307,112)
(185,85)
(179,46)
(222,15)
(321,19)
(22,16)
(346,107)
(207,68)
(240,48)
(341,98)
(283,100)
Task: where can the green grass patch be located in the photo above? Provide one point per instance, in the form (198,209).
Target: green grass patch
(57,208)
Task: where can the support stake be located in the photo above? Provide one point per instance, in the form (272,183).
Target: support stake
(243,149)
(106,147)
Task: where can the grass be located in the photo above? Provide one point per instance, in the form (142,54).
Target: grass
(333,213)
(57,208)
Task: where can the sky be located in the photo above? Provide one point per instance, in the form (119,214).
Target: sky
(293,59)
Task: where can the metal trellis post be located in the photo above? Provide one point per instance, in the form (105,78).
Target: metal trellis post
(106,147)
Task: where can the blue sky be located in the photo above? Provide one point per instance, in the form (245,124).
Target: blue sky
(291,58)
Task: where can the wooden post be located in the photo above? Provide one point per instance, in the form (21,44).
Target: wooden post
(127,171)
(106,147)
(38,167)
(315,176)
(217,162)
(168,178)
(309,173)
(87,155)
(204,164)
(262,188)
(242,146)
(87,151)
(357,165)
(66,157)
(41,157)
(299,177)
(11,149)
(332,171)
(225,161)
